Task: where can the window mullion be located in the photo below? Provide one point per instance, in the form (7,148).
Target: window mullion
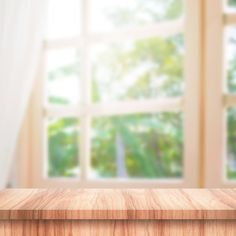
(85,94)
(214,119)
(192,106)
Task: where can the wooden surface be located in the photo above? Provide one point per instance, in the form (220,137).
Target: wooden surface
(118,228)
(92,204)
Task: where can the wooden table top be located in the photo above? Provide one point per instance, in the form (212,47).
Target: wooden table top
(117,204)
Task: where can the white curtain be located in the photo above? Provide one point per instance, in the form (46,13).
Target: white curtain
(21,31)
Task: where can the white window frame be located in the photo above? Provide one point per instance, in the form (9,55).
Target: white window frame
(217,99)
(189,104)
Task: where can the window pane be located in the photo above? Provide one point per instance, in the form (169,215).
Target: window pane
(140,145)
(231,58)
(62,76)
(112,14)
(63,18)
(231,4)
(231,143)
(142,69)
(63,147)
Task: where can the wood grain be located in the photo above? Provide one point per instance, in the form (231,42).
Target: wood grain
(118,228)
(117,204)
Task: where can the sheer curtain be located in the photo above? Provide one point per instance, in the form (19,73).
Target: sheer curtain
(21,29)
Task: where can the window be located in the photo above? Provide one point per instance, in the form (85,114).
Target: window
(220,99)
(117,101)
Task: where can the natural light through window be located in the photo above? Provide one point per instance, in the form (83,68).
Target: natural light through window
(113,91)
(230,55)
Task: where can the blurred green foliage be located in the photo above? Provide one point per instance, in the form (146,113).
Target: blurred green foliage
(152,143)
(231,143)
(142,10)
(156,63)
(232,2)
(231,112)
(63,147)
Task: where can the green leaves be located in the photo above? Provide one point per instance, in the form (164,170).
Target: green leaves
(143,69)
(232,2)
(148,68)
(152,145)
(63,147)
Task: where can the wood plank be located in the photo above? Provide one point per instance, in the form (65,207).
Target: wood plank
(117,228)
(118,204)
